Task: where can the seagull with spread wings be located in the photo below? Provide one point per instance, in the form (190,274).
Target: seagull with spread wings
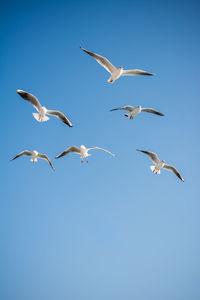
(115,72)
(134,111)
(42,111)
(82,151)
(34,156)
(160,164)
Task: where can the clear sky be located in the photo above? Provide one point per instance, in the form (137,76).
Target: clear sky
(109,229)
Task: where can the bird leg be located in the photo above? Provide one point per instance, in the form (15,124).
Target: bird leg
(87,160)
(82,160)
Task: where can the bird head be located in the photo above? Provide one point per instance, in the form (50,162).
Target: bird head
(35,152)
(82,147)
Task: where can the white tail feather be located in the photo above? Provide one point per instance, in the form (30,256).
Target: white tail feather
(39,118)
(33,159)
(153,170)
(110,80)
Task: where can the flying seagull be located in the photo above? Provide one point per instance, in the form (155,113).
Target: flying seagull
(160,164)
(43,111)
(134,111)
(82,151)
(34,156)
(115,72)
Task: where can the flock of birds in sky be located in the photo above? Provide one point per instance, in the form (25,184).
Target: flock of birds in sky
(116,73)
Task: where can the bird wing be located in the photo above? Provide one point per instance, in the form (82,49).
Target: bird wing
(30,98)
(135,72)
(25,152)
(152,111)
(44,156)
(60,116)
(174,170)
(102,150)
(152,156)
(128,107)
(104,62)
(69,150)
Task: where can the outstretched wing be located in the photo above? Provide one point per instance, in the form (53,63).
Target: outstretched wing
(30,98)
(128,108)
(174,170)
(136,72)
(69,150)
(44,156)
(25,152)
(60,116)
(152,111)
(104,62)
(101,150)
(153,156)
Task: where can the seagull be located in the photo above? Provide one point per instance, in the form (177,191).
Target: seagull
(82,151)
(134,111)
(160,164)
(34,156)
(43,111)
(115,72)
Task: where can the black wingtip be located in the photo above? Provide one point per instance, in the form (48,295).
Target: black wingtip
(70,125)
(160,114)
(19,92)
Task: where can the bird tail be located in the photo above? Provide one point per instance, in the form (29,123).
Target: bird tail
(39,118)
(33,159)
(153,169)
(110,80)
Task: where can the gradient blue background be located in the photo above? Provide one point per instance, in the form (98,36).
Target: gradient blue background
(109,229)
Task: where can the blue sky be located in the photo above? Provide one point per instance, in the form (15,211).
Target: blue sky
(109,229)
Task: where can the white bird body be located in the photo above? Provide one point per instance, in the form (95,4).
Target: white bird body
(159,165)
(34,156)
(134,112)
(115,72)
(82,151)
(41,116)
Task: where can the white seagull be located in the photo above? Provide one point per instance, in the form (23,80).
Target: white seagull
(42,111)
(34,156)
(160,164)
(115,72)
(134,111)
(82,151)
